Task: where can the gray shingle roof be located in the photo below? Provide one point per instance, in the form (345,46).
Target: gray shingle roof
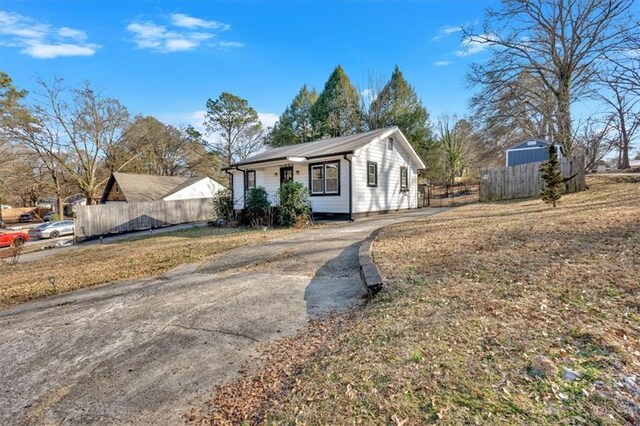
(138,188)
(321,148)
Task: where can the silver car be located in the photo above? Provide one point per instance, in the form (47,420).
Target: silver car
(54,229)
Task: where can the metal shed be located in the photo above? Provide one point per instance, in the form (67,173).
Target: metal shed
(529,151)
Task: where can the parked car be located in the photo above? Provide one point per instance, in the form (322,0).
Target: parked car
(13,238)
(54,229)
(49,216)
(25,217)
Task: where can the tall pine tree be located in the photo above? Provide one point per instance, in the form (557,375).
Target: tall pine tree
(337,111)
(397,104)
(295,125)
(552,177)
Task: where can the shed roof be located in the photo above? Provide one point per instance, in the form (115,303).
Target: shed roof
(322,148)
(530,143)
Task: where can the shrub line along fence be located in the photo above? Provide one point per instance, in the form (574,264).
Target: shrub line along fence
(124,217)
(525,180)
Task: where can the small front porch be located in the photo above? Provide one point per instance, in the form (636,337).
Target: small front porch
(328,180)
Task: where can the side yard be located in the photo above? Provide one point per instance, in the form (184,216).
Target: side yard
(132,258)
(473,295)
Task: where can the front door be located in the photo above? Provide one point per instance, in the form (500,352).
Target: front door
(286,174)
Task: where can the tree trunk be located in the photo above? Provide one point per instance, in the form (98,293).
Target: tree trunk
(565,136)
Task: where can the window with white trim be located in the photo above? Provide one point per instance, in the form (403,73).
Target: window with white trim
(372,173)
(404,179)
(324,178)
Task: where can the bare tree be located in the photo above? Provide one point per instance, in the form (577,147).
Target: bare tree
(454,137)
(75,127)
(622,102)
(594,140)
(152,147)
(560,43)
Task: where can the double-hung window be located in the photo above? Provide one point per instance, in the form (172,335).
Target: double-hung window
(325,178)
(372,173)
(404,179)
(249,180)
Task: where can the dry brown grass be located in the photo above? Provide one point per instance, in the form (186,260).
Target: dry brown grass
(472,296)
(104,263)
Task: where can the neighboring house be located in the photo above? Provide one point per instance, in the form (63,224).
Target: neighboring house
(133,188)
(530,151)
(72,202)
(349,176)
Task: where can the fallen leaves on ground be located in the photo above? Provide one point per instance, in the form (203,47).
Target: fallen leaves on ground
(471,297)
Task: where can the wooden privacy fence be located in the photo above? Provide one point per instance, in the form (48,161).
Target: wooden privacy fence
(123,217)
(525,180)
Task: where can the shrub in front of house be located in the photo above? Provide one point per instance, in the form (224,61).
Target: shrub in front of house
(258,206)
(223,205)
(295,206)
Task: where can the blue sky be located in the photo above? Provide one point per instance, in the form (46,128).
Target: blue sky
(167,58)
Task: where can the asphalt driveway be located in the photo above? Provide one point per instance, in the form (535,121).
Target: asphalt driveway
(139,352)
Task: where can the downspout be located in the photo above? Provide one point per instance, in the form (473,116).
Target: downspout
(350,189)
(244,198)
(231,182)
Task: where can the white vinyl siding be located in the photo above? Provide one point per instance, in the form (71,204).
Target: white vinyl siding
(389,194)
(268,177)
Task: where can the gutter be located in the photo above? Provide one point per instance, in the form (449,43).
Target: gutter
(267,160)
(350,189)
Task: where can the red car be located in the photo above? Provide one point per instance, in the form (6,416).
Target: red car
(13,238)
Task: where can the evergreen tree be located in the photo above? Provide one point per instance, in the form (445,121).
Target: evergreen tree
(337,111)
(552,177)
(397,104)
(295,125)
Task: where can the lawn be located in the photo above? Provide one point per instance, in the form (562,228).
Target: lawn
(471,297)
(132,258)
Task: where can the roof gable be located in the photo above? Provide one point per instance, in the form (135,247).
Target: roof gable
(140,188)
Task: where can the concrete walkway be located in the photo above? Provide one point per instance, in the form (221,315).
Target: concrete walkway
(139,352)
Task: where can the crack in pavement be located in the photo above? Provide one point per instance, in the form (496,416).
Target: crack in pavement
(209,330)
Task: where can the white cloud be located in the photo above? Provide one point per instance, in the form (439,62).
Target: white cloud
(49,51)
(442,63)
(186,21)
(268,119)
(178,44)
(472,45)
(43,41)
(178,34)
(67,32)
(446,31)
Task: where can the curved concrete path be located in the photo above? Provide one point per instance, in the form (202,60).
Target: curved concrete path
(138,352)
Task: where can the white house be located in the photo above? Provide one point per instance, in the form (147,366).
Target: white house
(350,176)
(131,187)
